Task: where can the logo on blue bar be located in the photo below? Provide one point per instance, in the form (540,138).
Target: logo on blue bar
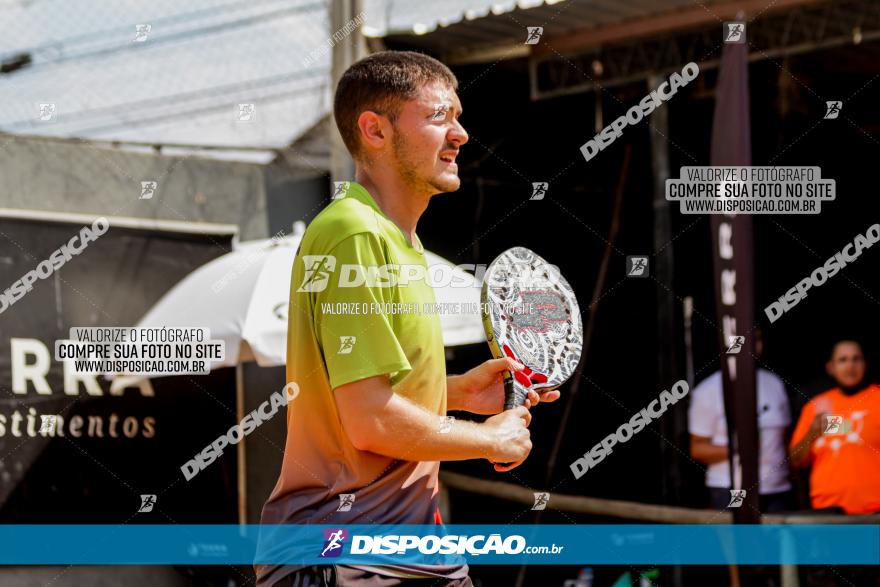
(333,541)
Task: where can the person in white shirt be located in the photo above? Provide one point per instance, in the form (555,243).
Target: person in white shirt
(708,430)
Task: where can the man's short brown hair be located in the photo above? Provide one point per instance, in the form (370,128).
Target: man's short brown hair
(841,341)
(381,83)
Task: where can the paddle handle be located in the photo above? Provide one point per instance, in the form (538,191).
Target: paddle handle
(514,395)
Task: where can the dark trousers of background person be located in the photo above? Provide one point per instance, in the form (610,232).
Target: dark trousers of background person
(840,575)
(343,576)
(769,503)
(809,575)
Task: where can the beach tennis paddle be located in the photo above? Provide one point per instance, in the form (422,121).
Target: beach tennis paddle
(530,314)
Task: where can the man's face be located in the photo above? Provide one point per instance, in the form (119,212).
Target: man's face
(847,364)
(427,138)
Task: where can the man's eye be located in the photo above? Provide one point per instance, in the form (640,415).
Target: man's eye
(440,112)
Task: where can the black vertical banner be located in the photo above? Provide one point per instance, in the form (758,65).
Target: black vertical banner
(732,248)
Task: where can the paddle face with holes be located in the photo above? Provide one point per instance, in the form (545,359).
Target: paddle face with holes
(530,313)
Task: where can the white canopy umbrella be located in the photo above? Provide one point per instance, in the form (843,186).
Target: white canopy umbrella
(242,298)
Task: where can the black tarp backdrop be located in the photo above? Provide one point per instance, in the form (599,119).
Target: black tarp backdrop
(539,141)
(99,479)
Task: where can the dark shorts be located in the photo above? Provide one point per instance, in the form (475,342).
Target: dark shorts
(343,576)
(769,503)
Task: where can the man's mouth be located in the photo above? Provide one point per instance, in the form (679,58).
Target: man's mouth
(448,157)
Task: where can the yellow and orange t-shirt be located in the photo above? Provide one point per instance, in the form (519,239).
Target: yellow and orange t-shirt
(343,327)
(846,458)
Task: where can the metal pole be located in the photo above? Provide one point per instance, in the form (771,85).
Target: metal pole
(346,51)
(672,425)
(240,449)
(688,316)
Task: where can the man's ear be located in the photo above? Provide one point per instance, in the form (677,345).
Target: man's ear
(374,129)
(828,368)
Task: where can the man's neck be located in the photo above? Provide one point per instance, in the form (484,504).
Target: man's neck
(397,203)
(850,391)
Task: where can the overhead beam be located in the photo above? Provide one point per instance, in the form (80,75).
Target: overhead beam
(488,54)
(782,34)
(695,16)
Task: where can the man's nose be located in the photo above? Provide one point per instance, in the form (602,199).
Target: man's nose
(458,135)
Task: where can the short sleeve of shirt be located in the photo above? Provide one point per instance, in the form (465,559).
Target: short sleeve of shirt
(704,409)
(803,425)
(778,395)
(357,340)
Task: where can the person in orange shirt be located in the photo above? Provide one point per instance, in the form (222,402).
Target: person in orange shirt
(839,435)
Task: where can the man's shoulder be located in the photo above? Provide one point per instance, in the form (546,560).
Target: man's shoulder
(341,220)
(770,381)
(711,385)
(869,393)
(823,397)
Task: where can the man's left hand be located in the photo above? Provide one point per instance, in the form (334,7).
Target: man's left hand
(481,389)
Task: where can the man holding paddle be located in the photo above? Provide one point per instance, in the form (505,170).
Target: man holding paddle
(370,422)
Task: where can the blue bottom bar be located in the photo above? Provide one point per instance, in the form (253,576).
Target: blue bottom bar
(853,544)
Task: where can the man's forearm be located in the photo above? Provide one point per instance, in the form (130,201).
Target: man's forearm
(800,453)
(455,393)
(401,429)
(709,454)
(407,431)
